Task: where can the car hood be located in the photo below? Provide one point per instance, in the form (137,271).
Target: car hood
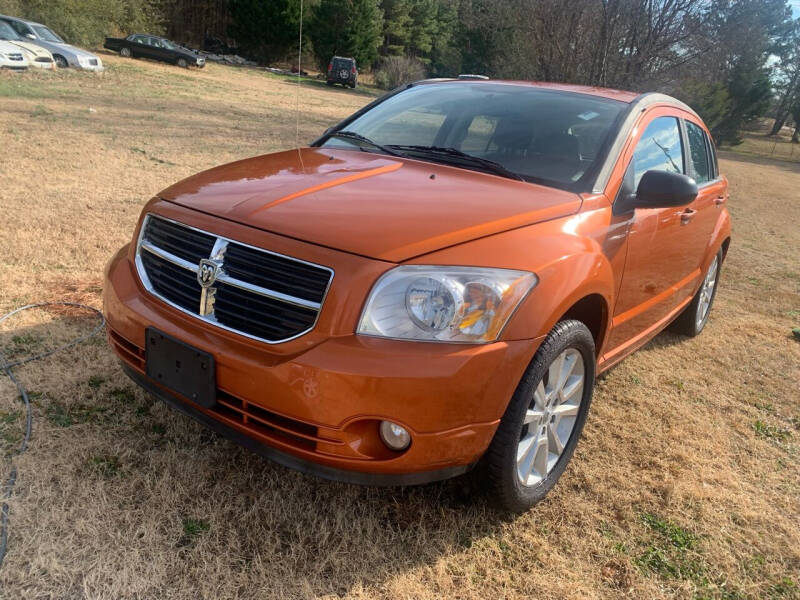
(369,204)
(28,47)
(66,49)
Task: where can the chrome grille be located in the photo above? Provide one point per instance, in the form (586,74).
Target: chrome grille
(254,292)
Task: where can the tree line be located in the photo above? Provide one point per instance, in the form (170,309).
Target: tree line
(734,61)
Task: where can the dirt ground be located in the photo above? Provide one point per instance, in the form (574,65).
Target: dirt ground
(686,483)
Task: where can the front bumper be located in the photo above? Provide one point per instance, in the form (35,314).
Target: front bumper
(315,403)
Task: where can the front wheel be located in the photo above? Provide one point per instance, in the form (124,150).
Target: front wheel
(541,426)
(125,52)
(182,63)
(61,62)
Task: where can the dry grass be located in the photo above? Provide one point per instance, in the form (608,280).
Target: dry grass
(686,484)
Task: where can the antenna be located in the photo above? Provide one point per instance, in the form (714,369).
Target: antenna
(299,79)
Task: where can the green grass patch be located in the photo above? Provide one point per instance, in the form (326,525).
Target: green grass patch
(105,466)
(61,415)
(771,432)
(95,381)
(192,529)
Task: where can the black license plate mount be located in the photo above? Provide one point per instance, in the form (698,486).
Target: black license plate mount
(181,368)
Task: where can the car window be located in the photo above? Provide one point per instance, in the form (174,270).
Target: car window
(47,34)
(698,150)
(713,154)
(479,134)
(659,149)
(19,27)
(7,32)
(138,39)
(549,137)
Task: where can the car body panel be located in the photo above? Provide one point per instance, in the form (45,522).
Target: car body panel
(75,57)
(281,192)
(13,57)
(361,214)
(34,52)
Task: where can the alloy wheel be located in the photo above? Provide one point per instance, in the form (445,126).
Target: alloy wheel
(550,419)
(707,291)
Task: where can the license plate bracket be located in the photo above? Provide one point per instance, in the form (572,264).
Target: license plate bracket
(180,367)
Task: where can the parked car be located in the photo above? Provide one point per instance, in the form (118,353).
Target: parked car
(342,70)
(64,54)
(433,285)
(12,57)
(140,45)
(37,56)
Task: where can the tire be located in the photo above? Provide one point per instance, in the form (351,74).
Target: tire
(694,317)
(125,52)
(568,348)
(182,63)
(61,62)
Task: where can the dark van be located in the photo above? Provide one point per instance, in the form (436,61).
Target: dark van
(343,70)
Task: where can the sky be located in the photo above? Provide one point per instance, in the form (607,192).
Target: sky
(795,7)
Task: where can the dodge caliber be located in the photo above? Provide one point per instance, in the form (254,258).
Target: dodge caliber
(432,286)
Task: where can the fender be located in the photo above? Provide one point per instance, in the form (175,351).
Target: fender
(568,261)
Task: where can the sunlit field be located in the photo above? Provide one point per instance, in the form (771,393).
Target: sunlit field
(686,483)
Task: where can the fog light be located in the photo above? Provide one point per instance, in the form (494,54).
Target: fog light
(394,436)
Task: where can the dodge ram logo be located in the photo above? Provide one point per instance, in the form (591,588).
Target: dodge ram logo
(207,273)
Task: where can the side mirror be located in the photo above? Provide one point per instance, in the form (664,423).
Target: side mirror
(662,189)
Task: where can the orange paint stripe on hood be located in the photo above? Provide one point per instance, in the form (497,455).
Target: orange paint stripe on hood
(334,183)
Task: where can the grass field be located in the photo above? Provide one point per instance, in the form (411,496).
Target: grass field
(686,483)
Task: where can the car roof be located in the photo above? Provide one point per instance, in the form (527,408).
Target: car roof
(612,94)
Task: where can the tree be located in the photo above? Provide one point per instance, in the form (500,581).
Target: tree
(396,26)
(264,29)
(348,28)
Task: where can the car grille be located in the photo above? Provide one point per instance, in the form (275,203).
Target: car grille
(254,292)
(14,56)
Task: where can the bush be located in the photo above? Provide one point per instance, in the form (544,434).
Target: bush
(395,71)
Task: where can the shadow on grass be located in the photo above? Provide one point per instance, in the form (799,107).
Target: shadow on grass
(305,536)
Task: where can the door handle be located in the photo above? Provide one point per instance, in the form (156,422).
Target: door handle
(687,215)
(719,200)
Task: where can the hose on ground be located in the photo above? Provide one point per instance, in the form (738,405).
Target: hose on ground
(7,367)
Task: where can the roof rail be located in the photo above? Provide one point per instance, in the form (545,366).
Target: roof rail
(471,76)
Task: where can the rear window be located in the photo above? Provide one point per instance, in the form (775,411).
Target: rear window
(342,63)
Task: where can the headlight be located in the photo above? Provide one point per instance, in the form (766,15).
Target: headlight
(444,304)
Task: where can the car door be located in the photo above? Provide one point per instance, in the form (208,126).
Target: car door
(711,186)
(160,52)
(662,262)
(137,46)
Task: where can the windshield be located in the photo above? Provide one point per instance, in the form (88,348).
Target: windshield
(7,33)
(544,136)
(47,34)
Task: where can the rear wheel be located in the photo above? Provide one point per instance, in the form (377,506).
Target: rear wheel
(540,429)
(695,316)
(126,52)
(60,61)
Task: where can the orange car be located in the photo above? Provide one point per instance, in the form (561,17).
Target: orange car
(432,285)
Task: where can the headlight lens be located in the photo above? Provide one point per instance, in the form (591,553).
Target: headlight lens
(444,304)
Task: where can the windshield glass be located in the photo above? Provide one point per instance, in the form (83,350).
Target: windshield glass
(544,136)
(7,33)
(47,34)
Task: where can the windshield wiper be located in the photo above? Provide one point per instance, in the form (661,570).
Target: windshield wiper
(357,137)
(485,163)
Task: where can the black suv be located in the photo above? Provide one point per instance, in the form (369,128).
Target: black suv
(343,70)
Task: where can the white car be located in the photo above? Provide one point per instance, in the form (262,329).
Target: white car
(12,57)
(65,55)
(37,56)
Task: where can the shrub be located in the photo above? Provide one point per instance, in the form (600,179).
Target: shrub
(395,71)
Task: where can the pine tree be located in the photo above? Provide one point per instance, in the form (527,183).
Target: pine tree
(396,26)
(351,28)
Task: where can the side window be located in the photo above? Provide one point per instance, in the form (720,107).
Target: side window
(712,152)
(659,149)
(698,150)
(137,39)
(20,28)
